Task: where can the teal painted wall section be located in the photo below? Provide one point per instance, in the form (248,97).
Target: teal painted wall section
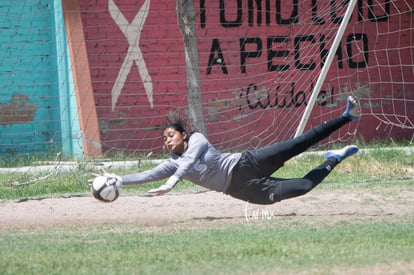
(36,107)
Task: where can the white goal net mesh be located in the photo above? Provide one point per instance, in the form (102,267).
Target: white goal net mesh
(258,63)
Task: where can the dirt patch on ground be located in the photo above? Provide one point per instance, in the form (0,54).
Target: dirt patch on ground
(185,208)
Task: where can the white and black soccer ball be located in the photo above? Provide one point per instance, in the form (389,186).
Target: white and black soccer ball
(105,188)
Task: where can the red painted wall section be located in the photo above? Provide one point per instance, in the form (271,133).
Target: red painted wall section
(366,62)
(111,51)
(256,70)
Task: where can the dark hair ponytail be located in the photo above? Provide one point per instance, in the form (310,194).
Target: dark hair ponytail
(177,123)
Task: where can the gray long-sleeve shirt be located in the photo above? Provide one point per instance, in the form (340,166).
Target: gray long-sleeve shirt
(201,164)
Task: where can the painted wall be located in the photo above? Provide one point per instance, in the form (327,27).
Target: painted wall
(138,68)
(38,111)
(254,71)
(29,104)
(127,48)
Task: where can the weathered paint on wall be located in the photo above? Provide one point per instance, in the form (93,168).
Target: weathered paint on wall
(38,110)
(29,106)
(243,74)
(18,110)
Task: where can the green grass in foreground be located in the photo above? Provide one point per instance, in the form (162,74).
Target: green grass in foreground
(279,246)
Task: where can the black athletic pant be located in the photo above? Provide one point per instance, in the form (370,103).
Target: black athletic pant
(251,177)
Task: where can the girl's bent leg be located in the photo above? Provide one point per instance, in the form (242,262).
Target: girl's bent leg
(268,190)
(290,188)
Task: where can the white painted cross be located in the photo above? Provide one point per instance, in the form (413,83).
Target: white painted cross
(132,32)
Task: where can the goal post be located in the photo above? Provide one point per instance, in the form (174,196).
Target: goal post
(325,68)
(186,22)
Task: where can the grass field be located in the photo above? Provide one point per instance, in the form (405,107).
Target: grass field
(374,234)
(282,247)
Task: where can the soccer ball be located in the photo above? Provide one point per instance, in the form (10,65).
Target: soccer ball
(105,189)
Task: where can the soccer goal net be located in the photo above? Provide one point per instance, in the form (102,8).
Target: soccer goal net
(97,77)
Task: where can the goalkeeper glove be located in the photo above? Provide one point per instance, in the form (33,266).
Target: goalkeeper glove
(165,188)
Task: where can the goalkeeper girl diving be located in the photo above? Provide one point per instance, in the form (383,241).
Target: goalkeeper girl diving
(247,175)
